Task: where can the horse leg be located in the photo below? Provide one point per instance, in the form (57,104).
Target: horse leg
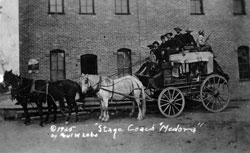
(40,111)
(70,110)
(49,112)
(55,111)
(26,113)
(76,109)
(133,109)
(106,113)
(140,116)
(101,109)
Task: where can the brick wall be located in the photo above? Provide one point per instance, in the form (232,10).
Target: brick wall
(104,33)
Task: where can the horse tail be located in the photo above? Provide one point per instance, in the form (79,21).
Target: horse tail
(79,90)
(143,101)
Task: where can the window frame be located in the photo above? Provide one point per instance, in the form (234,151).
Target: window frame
(57,52)
(243,8)
(201,8)
(121,13)
(86,13)
(49,8)
(124,66)
(239,63)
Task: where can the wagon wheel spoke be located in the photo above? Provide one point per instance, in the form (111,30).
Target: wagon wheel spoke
(166,96)
(176,96)
(212,104)
(169,93)
(178,99)
(166,108)
(222,98)
(165,104)
(218,84)
(178,104)
(169,109)
(219,102)
(208,88)
(165,100)
(173,109)
(209,101)
(173,94)
(209,96)
(176,108)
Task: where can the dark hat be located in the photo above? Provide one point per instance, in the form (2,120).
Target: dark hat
(177,29)
(189,30)
(162,37)
(201,32)
(150,46)
(169,33)
(155,42)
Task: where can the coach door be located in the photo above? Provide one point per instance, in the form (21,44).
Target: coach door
(89,64)
(124,64)
(57,65)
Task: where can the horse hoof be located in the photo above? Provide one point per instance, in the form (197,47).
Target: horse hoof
(41,124)
(26,124)
(140,118)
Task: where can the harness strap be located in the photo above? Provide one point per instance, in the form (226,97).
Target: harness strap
(99,84)
(47,90)
(32,89)
(113,88)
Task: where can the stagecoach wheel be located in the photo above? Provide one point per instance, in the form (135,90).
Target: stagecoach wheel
(214,93)
(171,102)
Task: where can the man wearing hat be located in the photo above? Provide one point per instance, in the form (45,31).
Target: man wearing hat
(188,39)
(202,42)
(150,61)
(178,35)
(172,43)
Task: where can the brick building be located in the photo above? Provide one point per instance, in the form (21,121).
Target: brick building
(68,37)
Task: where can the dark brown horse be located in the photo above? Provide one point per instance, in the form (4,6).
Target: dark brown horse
(39,91)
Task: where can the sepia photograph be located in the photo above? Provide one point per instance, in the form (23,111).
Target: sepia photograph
(137,76)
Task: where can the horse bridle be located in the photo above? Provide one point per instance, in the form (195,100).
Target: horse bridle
(98,84)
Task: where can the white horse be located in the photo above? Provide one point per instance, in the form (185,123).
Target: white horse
(107,89)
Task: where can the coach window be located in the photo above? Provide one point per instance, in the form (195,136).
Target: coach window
(244,65)
(122,7)
(57,65)
(239,7)
(56,6)
(196,7)
(87,6)
(124,63)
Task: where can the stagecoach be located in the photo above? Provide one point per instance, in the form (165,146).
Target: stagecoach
(193,77)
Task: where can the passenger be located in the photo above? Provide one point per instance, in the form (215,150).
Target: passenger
(172,44)
(202,42)
(163,42)
(151,63)
(188,40)
(178,36)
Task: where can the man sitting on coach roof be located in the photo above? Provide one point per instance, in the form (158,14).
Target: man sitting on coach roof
(202,42)
(188,40)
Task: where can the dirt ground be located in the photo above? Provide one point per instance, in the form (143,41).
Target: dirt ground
(194,131)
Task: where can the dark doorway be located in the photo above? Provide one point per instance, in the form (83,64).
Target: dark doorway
(124,63)
(57,65)
(89,64)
